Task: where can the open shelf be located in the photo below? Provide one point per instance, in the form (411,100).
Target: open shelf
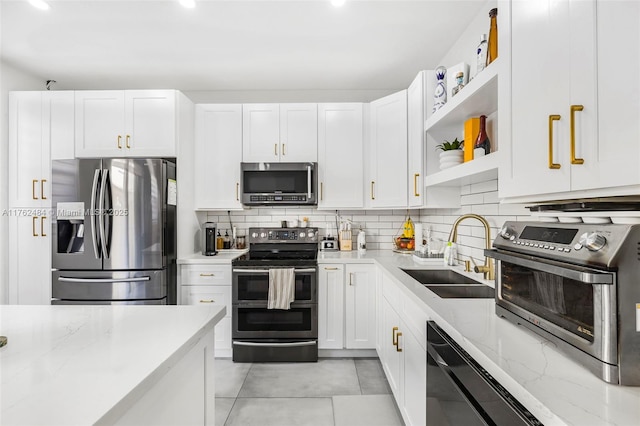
(478,170)
(478,97)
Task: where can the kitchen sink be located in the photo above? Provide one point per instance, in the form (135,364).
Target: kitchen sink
(463,291)
(439,276)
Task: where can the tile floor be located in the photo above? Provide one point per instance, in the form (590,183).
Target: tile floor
(331,392)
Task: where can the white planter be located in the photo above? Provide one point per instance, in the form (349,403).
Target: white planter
(451,158)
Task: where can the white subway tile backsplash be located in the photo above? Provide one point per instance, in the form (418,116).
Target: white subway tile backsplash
(486,186)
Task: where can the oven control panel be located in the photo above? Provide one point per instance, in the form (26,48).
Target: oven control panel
(283,235)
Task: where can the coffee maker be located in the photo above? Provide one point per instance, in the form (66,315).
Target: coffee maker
(208,238)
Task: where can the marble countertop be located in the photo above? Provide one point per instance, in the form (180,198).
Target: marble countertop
(72,365)
(557,390)
(223,257)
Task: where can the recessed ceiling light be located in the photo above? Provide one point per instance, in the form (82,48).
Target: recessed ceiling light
(337,3)
(189,4)
(40,4)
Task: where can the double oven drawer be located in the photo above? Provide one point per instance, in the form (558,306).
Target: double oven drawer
(251,286)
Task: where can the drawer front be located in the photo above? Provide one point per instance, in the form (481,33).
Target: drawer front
(219,295)
(206,275)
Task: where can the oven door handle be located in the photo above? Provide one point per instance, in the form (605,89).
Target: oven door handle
(280,345)
(266,271)
(566,271)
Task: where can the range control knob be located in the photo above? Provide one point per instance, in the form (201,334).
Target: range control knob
(310,234)
(593,241)
(263,235)
(508,233)
(254,235)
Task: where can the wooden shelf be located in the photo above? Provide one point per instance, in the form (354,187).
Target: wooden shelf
(478,170)
(478,97)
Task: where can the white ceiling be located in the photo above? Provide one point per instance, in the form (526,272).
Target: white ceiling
(231,44)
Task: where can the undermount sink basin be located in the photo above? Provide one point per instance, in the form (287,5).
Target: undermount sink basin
(463,291)
(439,276)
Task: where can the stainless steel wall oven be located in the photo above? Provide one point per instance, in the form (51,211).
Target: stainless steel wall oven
(577,285)
(260,334)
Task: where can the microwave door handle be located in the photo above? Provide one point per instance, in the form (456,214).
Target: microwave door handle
(309,182)
(579,275)
(92,212)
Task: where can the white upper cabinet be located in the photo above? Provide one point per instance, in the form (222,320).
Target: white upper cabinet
(217,156)
(574,115)
(129,123)
(416,140)
(386,185)
(340,158)
(280,133)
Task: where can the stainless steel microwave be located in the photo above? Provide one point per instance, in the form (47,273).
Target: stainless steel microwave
(279,184)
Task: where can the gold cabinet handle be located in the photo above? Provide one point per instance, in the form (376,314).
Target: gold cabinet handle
(415,184)
(42,219)
(350,278)
(275,149)
(42,189)
(207,301)
(237,191)
(572,131)
(207,275)
(33,225)
(552,118)
(393,338)
(372,193)
(284,151)
(330,269)
(398,348)
(321,191)
(33,189)
(119,142)
(127,139)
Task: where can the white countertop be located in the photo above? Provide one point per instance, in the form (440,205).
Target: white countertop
(557,390)
(71,365)
(223,257)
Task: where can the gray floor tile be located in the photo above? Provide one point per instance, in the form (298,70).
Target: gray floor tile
(229,377)
(223,408)
(281,412)
(365,410)
(371,377)
(322,379)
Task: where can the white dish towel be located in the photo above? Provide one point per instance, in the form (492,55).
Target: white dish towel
(281,288)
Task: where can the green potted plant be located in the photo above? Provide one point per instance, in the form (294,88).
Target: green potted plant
(452,153)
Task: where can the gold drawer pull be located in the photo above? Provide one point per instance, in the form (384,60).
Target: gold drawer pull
(552,118)
(284,151)
(331,269)
(574,160)
(237,191)
(415,184)
(393,338)
(128,138)
(351,278)
(42,219)
(42,189)
(33,189)
(119,142)
(321,192)
(398,349)
(33,226)
(207,275)
(207,301)
(275,149)
(373,196)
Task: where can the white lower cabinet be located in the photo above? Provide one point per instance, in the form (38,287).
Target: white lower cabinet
(402,351)
(211,284)
(347,306)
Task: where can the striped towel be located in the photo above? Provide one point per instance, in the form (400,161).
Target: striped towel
(281,288)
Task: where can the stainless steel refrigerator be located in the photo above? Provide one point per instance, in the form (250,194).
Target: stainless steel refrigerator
(114,231)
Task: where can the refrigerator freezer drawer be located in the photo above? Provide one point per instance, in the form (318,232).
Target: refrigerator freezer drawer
(109,285)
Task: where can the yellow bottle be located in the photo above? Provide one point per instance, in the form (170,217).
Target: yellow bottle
(492,51)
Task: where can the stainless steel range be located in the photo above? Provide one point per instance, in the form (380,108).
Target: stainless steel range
(260,334)
(577,285)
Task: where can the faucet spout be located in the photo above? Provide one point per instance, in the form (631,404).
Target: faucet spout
(487,269)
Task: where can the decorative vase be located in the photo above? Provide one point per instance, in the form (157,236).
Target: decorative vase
(451,158)
(440,94)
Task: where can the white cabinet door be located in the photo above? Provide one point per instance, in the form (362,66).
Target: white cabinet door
(392,361)
(331,306)
(261,133)
(414,366)
(60,121)
(218,295)
(218,153)
(29,259)
(340,156)
(610,149)
(416,139)
(387,183)
(29,183)
(360,307)
(150,123)
(100,124)
(299,133)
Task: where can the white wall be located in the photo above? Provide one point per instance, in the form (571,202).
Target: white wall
(10,79)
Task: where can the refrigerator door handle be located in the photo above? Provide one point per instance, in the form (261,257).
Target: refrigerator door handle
(92,212)
(103,280)
(103,237)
